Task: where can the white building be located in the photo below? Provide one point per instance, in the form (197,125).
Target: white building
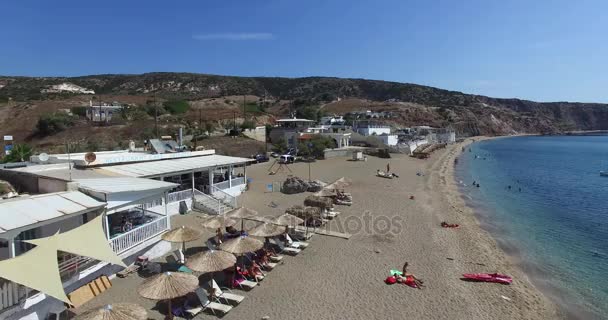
(389,139)
(137,192)
(373,129)
(34,217)
(102,113)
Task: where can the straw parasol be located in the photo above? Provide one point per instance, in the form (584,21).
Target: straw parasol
(287,220)
(242,213)
(218,222)
(267,230)
(320,202)
(242,244)
(211,261)
(118,311)
(182,234)
(168,285)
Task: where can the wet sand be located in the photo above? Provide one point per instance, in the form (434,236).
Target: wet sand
(344,279)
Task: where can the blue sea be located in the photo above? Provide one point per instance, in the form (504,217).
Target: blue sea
(553,220)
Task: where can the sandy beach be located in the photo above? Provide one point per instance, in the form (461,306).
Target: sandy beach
(344,279)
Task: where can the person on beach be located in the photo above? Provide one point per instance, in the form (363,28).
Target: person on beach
(388,167)
(219,236)
(409,279)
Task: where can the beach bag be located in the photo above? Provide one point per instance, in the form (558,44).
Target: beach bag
(390,280)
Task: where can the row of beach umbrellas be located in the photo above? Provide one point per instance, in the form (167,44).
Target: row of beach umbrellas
(170,285)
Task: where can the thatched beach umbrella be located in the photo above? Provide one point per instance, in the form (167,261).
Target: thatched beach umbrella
(211,261)
(287,220)
(118,311)
(182,234)
(167,286)
(218,222)
(242,213)
(319,202)
(241,245)
(267,230)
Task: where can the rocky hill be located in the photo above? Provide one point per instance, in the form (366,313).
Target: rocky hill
(23,99)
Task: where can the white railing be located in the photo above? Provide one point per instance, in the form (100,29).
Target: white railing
(12,294)
(73,265)
(138,235)
(179,196)
(153,203)
(226,198)
(226,184)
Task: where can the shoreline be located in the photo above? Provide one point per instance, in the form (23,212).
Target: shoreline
(506,249)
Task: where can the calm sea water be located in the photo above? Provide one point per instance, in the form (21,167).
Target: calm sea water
(556,227)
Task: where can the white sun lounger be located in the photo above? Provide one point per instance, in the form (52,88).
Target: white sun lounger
(247,284)
(179,255)
(296,244)
(207,305)
(227,295)
(283,248)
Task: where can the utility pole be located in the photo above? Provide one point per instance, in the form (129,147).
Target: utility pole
(155,116)
(244,108)
(234,122)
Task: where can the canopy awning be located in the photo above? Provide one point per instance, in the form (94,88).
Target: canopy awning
(27,212)
(175,166)
(38,268)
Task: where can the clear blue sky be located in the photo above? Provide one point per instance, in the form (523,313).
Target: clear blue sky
(536,49)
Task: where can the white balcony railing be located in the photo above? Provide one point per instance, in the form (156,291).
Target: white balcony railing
(226,184)
(138,235)
(12,294)
(73,265)
(179,196)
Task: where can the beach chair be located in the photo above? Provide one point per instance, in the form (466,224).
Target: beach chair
(179,256)
(211,245)
(207,305)
(296,244)
(283,248)
(245,284)
(227,295)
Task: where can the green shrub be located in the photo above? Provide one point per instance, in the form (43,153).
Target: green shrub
(20,153)
(52,123)
(248,124)
(151,110)
(176,106)
(79,111)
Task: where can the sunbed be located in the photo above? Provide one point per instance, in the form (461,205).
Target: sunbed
(179,255)
(227,295)
(245,284)
(283,248)
(207,305)
(296,244)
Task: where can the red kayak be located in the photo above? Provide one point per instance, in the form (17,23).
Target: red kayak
(489,277)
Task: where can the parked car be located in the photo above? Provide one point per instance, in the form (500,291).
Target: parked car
(260,157)
(275,155)
(287,158)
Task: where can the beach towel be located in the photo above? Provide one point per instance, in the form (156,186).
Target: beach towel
(390,280)
(394,272)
